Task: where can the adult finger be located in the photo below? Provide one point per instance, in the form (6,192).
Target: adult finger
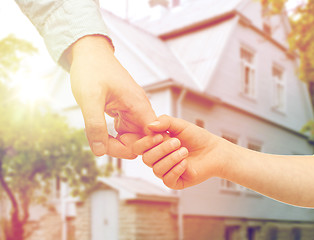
(139,110)
(119,150)
(96,127)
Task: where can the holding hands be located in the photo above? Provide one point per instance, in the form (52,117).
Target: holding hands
(180,157)
(180,153)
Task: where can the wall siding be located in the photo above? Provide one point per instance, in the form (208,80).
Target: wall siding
(147,221)
(208,198)
(204,228)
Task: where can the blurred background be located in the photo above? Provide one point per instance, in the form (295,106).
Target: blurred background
(242,69)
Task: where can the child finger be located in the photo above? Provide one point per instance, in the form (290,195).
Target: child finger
(128,138)
(168,162)
(173,178)
(167,123)
(146,143)
(160,151)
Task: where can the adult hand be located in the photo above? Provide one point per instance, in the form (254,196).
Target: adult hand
(100,84)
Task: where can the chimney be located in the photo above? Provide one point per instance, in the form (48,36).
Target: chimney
(163,3)
(175,3)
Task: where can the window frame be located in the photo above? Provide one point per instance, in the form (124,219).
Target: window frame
(279,100)
(248,85)
(226,185)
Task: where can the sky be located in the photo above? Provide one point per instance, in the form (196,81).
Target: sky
(12,21)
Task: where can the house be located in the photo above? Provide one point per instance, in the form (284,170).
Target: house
(225,66)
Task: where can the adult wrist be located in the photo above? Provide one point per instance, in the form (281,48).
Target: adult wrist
(89,44)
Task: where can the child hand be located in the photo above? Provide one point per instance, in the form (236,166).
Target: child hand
(189,157)
(167,158)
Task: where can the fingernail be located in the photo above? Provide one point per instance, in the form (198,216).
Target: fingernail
(154,123)
(183,152)
(98,148)
(175,143)
(157,138)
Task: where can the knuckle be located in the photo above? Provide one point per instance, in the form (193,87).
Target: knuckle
(167,181)
(135,150)
(163,116)
(148,144)
(146,160)
(132,156)
(157,171)
(175,171)
(94,125)
(165,148)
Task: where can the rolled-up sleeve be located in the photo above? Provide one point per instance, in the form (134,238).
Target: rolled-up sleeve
(62,22)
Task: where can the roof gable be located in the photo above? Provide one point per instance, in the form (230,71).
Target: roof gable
(200,51)
(278,23)
(189,15)
(152,52)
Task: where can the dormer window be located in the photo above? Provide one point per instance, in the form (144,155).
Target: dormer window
(266,14)
(267,28)
(175,3)
(248,84)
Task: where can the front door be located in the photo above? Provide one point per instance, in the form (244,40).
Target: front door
(105,215)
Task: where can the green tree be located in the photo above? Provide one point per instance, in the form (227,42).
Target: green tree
(301,38)
(301,41)
(13,50)
(36,147)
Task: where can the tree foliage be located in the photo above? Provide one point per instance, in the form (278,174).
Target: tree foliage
(13,50)
(301,38)
(37,146)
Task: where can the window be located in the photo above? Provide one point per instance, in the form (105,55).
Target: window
(296,234)
(266,14)
(252,233)
(230,138)
(119,166)
(311,89)
(232,232)
(254,146)
(175,3)
(267,28)
(70,228)
(58,187)
(199,123)
(225,184)
(247,72)
(272,233)
(229,186)
(55,188)
(279,88)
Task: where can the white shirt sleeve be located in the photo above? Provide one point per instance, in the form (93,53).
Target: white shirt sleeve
(62,22)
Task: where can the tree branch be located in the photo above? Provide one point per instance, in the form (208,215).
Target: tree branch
(7,189)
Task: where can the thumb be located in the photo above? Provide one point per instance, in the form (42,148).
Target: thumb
(96,128)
